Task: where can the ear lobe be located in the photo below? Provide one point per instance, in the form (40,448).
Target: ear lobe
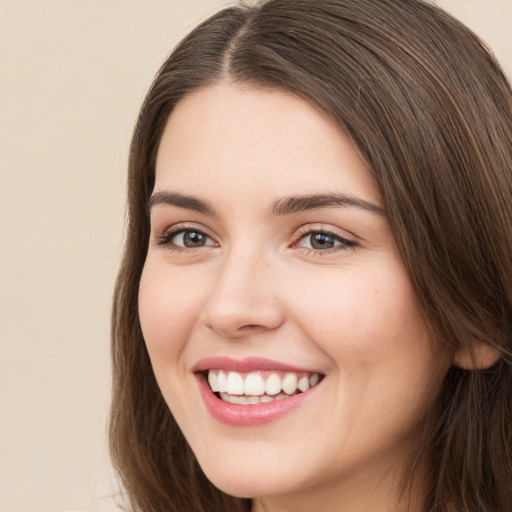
(476,356)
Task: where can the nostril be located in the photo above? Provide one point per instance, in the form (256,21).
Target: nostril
(236,331)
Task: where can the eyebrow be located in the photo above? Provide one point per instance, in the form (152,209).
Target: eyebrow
(283,206)
(294,204)
(180,200)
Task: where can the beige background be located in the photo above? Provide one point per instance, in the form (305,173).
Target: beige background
(72,76)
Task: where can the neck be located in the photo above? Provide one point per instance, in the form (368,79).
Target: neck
(382,492)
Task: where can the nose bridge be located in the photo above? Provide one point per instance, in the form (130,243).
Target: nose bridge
(244,297)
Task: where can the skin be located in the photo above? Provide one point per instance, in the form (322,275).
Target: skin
(258,287)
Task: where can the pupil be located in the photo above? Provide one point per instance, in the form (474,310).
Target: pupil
(193,239)
(322,241)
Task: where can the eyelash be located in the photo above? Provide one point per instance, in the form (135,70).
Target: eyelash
(165,240)
(344,243)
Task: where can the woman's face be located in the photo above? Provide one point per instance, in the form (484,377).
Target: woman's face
(272,272)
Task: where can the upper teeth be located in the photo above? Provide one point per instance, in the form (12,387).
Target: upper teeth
(255,384)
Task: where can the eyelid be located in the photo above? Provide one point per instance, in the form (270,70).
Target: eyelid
(163,238)
(317,227)
(347,242)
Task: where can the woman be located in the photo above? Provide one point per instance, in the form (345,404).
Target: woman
(314,307)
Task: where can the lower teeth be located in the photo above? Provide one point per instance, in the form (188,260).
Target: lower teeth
(251,400)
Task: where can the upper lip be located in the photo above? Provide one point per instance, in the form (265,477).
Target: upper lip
(249,364)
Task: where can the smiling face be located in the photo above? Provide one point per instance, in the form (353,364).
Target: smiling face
(272,273)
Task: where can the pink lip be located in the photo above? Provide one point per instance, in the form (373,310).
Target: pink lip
(248,415)
(250,364)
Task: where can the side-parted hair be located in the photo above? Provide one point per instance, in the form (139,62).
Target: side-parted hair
(430,112)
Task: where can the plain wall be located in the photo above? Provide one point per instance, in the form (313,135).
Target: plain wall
(73,74)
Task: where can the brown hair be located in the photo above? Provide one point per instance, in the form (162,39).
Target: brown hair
(430,111)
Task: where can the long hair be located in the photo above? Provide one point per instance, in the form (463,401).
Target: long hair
(430,112)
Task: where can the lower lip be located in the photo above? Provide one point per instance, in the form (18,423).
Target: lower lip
(252,414)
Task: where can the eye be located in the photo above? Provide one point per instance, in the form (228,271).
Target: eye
(190,239)
(323,241)
(179,239)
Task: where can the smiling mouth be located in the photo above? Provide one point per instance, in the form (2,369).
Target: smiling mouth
(257,387)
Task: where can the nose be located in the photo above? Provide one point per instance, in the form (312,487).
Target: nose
(244,299)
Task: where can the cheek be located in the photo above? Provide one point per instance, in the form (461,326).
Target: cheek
(169,305)
(386,372)
(367,321)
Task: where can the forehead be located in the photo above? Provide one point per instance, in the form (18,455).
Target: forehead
(228,137)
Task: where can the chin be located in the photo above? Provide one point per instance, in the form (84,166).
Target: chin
(243,480)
